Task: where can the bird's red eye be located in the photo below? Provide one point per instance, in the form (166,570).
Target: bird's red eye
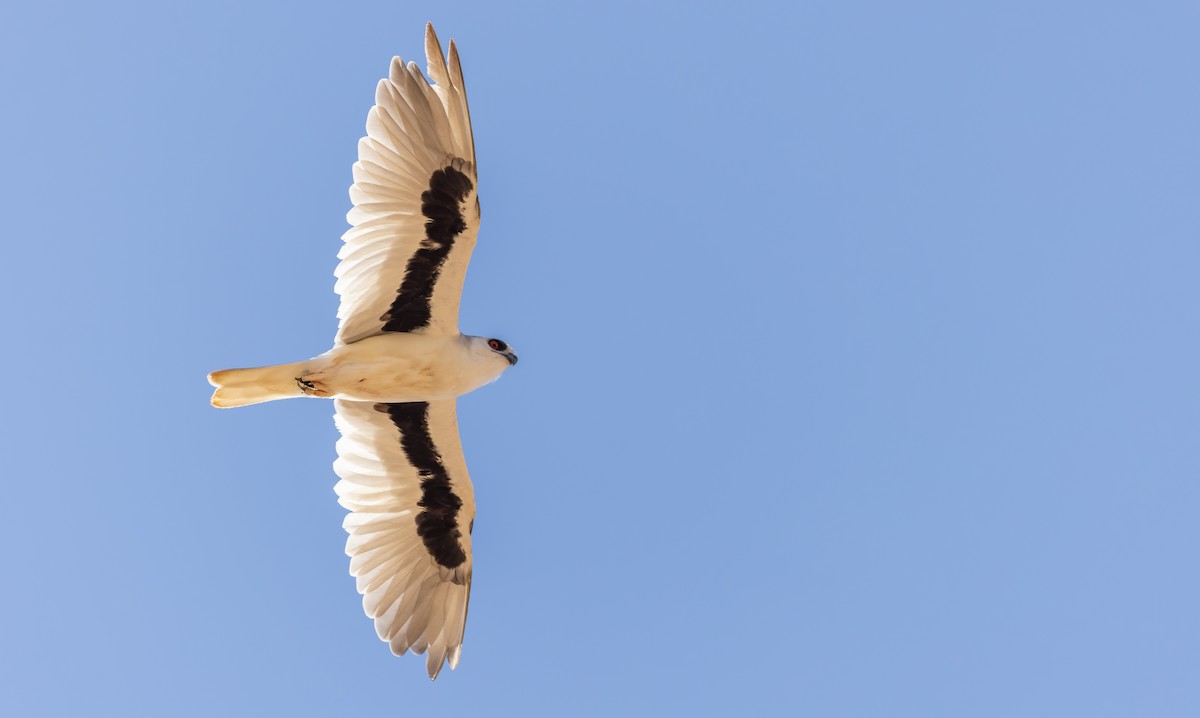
(496,344)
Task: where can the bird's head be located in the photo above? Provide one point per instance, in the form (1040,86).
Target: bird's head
(494,352)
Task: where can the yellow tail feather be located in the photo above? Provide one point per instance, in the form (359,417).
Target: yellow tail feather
(242,387)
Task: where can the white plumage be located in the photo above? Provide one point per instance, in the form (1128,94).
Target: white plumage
(399,360)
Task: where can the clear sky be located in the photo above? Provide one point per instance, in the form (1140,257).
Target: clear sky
(859,359)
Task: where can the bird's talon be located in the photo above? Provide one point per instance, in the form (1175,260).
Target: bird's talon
(311,388)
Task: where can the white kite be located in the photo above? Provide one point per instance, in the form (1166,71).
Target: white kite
(399,360)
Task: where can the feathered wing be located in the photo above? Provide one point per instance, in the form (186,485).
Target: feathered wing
(416,211)
(405,481)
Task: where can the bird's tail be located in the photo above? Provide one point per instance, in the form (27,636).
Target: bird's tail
(241,387)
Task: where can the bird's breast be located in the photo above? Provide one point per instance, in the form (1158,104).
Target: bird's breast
(393,368)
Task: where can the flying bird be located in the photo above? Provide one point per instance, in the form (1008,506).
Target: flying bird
(399,360)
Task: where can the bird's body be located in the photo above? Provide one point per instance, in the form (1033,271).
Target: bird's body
(391,368)
(399,360)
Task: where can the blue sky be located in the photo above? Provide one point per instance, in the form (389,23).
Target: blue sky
(859,348)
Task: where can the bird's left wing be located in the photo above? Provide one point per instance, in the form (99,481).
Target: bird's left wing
(404,479)
(416,211)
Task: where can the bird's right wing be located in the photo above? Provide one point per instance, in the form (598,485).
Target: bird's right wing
(416,211)
(405,481)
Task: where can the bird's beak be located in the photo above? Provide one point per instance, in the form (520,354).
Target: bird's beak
(512,358)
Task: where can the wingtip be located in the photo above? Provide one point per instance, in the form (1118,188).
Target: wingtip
(435,60)
(435,671)
(433,664)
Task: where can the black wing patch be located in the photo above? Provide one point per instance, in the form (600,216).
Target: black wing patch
(440,204)
(437,524)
